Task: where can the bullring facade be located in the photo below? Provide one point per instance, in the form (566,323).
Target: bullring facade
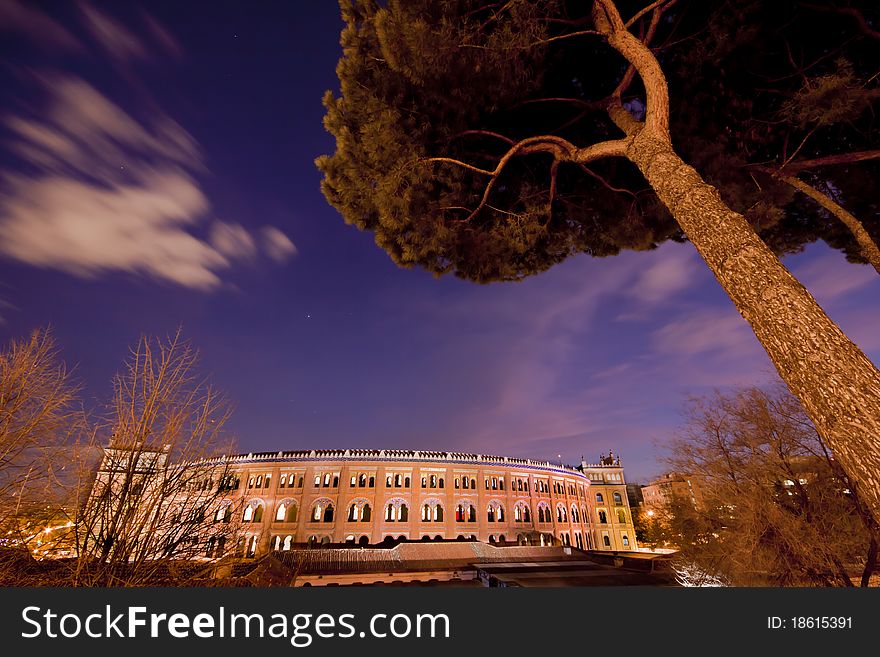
(368,497)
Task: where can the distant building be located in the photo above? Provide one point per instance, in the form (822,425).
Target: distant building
(668,487)
(612,516)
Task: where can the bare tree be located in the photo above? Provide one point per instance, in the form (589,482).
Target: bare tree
(777,507)
(38,419)
(156,510)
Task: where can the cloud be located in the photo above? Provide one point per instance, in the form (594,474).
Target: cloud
(276,244)
(829,276)
(17,17)
(232,240)
(672,272)
(116,40)
(101,191)
(705,331)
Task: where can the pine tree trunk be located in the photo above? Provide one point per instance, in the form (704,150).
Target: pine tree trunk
(867,247)
(837,384)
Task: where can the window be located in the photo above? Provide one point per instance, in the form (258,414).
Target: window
(433,481)
(621,517)
(602,517)
(353,481)
(625,540)
(366,513)
(606,541)
(397,481)
(317,480)
(600,499)
(328,513)
(440,482)
(372,482)
(617,498)
(424,482)
(327,479)
(281,513)
(501,483)
(487,483)
(362,481)
(388,481)
(406,482)
(283,481)
(352,513)
(268,479)
(457,483)
(250,482)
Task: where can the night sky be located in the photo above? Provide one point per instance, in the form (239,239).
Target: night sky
(157,169)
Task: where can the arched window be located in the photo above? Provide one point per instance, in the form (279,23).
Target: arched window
(561,515)
(584,515)
(276,543)
(372,483)
(440,482)
(625,540)
(366,513)
(322,511)
(286,544)
(473,483)
(459,513)
(490,515)
(352,513)
(248,514)
(606,541)
(390,512)
(600,499)
(327,479)
(362,481)
(281,512)
(406,482)
(404,513)
(283,481)
(621,517)
(317,480)
(388,481)
(501,483)
(426,512)
(353,481)
(433,481)
(438,513)
(602,517)
(424,482)
(487,483)
(250,482)
(457,483)
(291,513)
(258,513)
(335,481)
(300,484)
(397,481)
(222,513)
(472,514)
(574,514)
(617,498)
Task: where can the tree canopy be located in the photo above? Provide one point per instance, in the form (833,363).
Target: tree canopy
(429,87)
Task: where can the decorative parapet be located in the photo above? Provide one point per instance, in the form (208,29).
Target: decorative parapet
(397,455)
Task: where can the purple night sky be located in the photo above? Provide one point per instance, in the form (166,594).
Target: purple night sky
(157,169)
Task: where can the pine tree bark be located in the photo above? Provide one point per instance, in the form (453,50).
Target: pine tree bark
(867,247)
(837,384)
